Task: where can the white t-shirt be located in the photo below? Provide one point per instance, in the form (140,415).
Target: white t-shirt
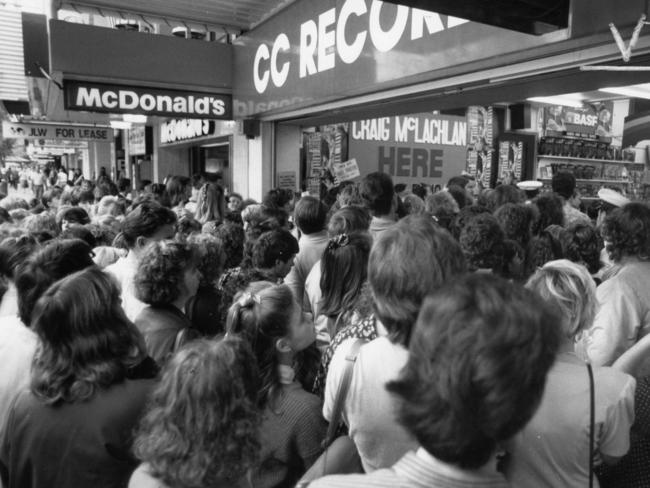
(553,449)
(370,410)
(124,270)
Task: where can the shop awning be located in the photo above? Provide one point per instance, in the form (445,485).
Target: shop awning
(235,15)
(528,16)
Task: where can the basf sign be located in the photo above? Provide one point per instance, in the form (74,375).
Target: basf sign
(99,97)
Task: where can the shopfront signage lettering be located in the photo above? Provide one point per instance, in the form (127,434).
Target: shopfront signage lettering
(58,132)
(412,129)
(185,129)
(97,97)
(328,39)
(417,148)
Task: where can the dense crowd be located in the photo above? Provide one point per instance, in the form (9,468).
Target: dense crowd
(184,337)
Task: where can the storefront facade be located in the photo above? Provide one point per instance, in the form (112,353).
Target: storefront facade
(350,63)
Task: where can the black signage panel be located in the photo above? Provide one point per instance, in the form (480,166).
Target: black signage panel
(123,99)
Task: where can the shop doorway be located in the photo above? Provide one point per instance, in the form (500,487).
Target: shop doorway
(215,157)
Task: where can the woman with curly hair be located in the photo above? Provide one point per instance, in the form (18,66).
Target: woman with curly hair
(201,428)
(482,242)
(90,381)
(624,313)
(167,277)
(268,317)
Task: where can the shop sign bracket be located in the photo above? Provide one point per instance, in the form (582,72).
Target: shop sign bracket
(626,51)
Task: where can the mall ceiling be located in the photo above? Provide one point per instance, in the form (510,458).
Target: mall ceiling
(529,16)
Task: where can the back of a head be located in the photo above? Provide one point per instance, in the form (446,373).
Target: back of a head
(461,181)
(377,193)
(581,243)
(503,194)
(273,246)
(550,212)
(463,216)
(53,262)
(477,367)
(348,219)
(201,428)
(144,220)
(413,205)
(569,289)
(87,342)
(232,238)
(627,231)
(409,261)
(14,252)
(481,240)
(564,184)
(310,215)
(516,220)
(460,195)
(177,189)
(344,271)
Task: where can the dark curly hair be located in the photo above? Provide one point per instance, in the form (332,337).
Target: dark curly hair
(550,212)
(477,366)
(211,256)
(145,219)
(161,271)
(626,232)
(461,218)
(482,242)
(581,243)
(232,238)
(271,247)
(516,220)
(201,427)
(86,341)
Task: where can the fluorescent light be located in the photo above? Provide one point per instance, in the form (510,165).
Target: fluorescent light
(632,91)
(135,118)
(558,100)
(120,124)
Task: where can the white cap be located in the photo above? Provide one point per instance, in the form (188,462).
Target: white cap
(612,197)
(529,185)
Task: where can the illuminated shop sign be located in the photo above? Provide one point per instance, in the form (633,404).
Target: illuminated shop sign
(185,129)
(324,40)
(98,97)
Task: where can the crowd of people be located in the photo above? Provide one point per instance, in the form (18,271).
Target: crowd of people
(183,337)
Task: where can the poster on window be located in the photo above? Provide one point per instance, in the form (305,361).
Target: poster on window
(590,120)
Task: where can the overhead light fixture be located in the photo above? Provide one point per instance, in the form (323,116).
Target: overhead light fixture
(632,91)
(135,118)
(120,124)
(568,101)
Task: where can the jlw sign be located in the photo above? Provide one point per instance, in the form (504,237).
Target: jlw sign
(99,97)
(57,131)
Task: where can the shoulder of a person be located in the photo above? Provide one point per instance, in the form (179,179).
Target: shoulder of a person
(380,478)
(612,382)
(142,479)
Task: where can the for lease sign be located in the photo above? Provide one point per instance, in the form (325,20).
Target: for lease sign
(99,97)
(58,132)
